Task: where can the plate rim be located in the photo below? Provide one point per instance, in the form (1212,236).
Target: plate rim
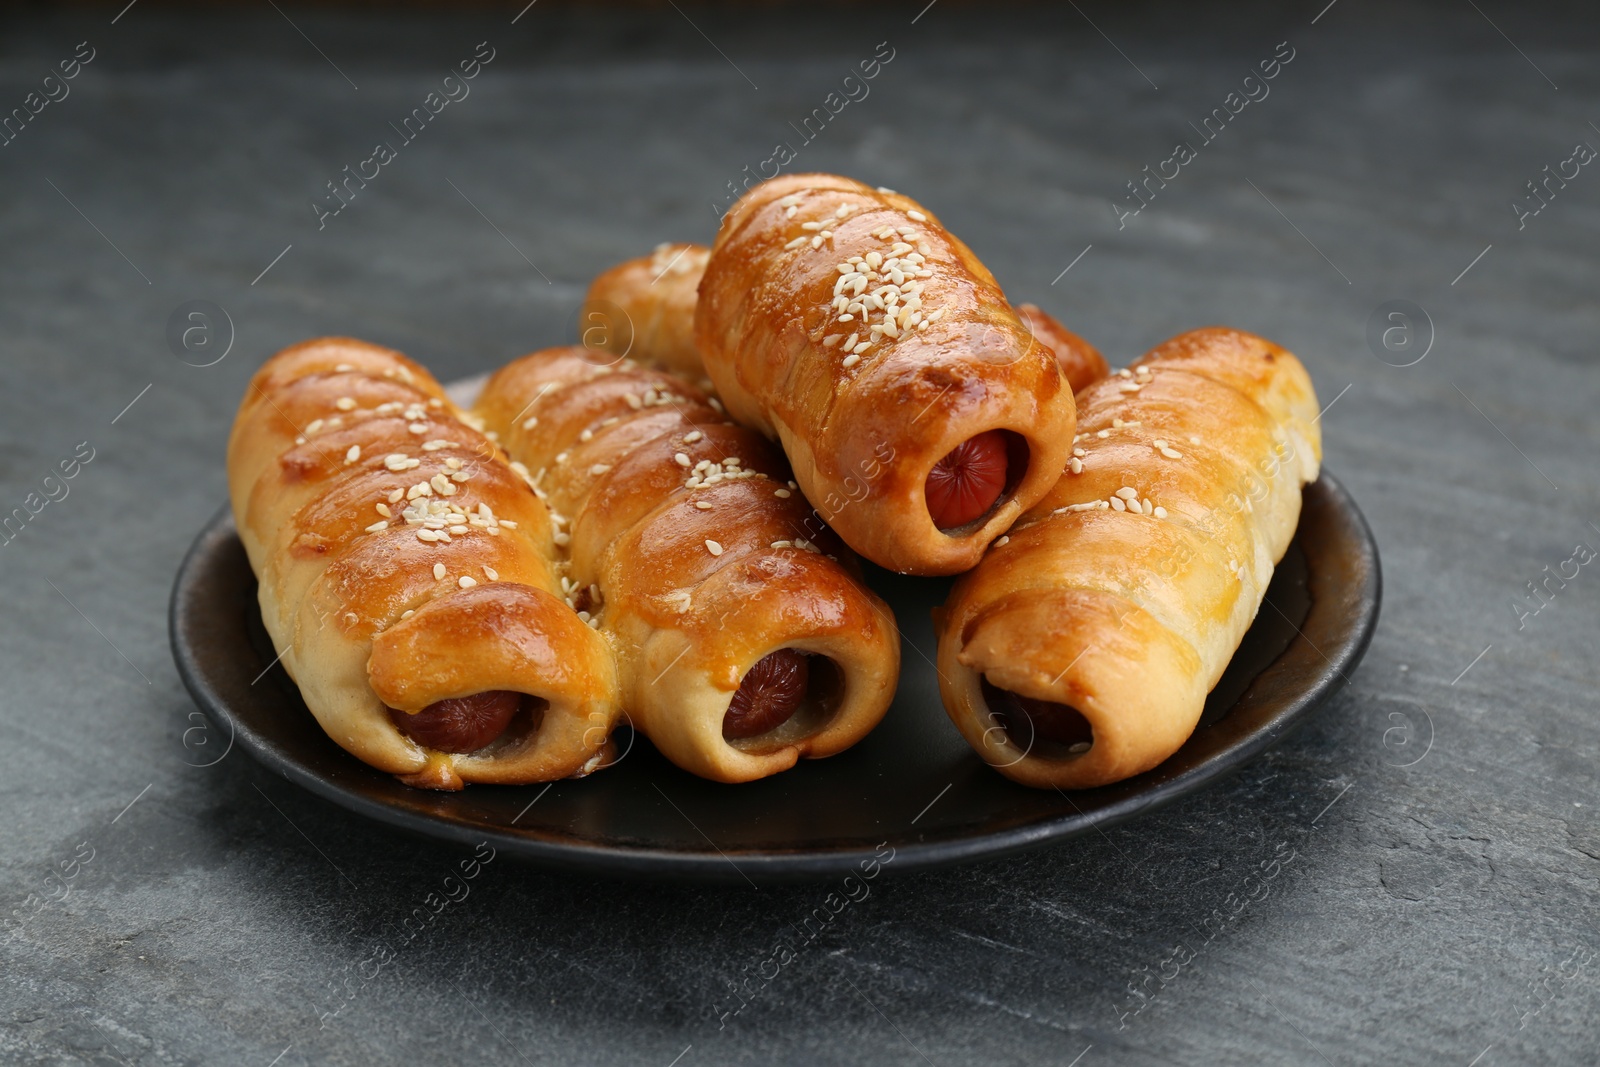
(626,860)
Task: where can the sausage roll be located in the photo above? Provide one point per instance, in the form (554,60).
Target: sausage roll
(1080,651)
(644,308)
(744,637)
(406,572)
(919,413)
(1081,363)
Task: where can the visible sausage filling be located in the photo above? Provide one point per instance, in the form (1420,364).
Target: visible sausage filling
(770,693)
(964,485)
(1026,719)
(461,724)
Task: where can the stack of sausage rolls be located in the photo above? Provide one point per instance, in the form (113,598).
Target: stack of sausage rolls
(660,526)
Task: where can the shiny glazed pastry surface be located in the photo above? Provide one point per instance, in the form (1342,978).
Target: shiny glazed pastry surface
(644,309)
(1080,651)
(744,637)
(407,574)
(851,326)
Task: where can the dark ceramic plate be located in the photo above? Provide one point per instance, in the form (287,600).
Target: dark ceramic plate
(912,785)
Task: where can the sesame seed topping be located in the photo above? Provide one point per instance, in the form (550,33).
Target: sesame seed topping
(1128,493)
(851,360)
(530,422)
(490,573)
(1081,746)
(561,537)
(466,581)
(314,426)
(396,461)
(418,427)
(587,435)
(1194,440)
(353,454)
(692,437)
(1006,540)
(781,494)
(378,526)
(703,505)
(345,403)
(396,496)
(1172,453)
(408,613)
(383,509)
(1075,465)
(714,547)
(1160,513)
(438,570)
(783,544)
(599,469)
(1118,504)
(633,401)
(680,459)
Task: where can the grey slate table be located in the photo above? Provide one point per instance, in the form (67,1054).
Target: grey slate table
(1441,903)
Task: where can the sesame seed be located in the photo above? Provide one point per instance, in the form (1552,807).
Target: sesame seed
(1160,513)
(1128,493)
(862,347)
(407,614)
(383,509)
(851,360)
(703,505)
(418,427)
(783,544)
(1081,746)
(1080,453)
(353,455)
(378,526)
(466,581)
(396,461)
(714,547)
(782,494)
(1159,444)
(1147,507)
(692,437)
(458,530)
(345,403)
(1003,541)
(314,426)
(530,422)
(1117,504)
(633,401)
(1194,440)
(681,459)
(587,435)
(561,536)
(561,457)
(599,469)
(1172,453)
(438,570)
(1075,465)
(490,573)
(442,484)
(1102,433)
(396,496)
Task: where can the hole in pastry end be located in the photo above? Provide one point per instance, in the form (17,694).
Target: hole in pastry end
(1038,727)
(974,478)
(472,723)
(786,696)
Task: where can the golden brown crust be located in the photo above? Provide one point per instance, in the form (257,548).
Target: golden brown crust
(695,556)
(1124,593)
(863,430)
(353,478)
(644,308)
(1081,362)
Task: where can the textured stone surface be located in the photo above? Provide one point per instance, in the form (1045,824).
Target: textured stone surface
(1444,904)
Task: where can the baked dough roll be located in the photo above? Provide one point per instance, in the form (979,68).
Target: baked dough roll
(1080,651)
(644,309)
(1081,362)
(744,640)
(407,574)
(919,413)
